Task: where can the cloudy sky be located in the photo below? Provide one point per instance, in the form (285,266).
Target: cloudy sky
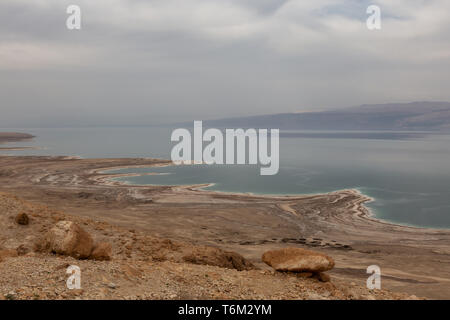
(153,61)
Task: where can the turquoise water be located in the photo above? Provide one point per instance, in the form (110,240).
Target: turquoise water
(408,174)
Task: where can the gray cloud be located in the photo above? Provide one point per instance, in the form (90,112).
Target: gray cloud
(138,62)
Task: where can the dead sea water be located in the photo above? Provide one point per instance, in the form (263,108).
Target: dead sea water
(408,173)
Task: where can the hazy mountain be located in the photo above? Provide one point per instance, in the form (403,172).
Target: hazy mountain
(432,116)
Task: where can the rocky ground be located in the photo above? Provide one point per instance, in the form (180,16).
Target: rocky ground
(412,260)
(141,266)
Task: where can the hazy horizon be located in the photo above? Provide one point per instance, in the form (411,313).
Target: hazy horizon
(140,62)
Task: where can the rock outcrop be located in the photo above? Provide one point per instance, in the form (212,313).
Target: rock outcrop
(298,260)
(69,239)
(218,257)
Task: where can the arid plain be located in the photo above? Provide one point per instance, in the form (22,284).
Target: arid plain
(412,260)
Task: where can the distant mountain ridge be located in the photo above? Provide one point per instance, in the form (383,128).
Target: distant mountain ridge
(414,116)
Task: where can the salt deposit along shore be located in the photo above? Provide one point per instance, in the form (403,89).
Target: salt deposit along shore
(412,260)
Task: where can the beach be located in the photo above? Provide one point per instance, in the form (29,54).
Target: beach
(412,260)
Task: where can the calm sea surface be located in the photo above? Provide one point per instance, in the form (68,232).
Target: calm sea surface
(408,174)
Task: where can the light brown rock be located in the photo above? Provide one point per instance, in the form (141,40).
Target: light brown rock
(67,238)
(102,251)
(298,260)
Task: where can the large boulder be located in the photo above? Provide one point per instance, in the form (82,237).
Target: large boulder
(218,257)
(298,260)
(69,239)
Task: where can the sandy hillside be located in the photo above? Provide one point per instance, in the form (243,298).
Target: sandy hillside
(142,266)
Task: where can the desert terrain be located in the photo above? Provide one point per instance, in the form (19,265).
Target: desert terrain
(413,261)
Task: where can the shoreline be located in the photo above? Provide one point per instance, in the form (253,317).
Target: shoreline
(9,137)
(413,260)
(365,211)
(14,136)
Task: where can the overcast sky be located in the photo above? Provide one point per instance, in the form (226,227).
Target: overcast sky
(144,61)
